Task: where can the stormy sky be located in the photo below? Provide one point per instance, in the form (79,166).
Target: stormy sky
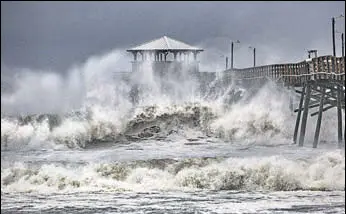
(57,35)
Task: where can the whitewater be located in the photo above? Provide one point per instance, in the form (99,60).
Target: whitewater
(81,143)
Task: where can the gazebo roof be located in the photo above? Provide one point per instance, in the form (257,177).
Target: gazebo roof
(165,43)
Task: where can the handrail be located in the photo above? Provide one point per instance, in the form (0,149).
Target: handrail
(323,67)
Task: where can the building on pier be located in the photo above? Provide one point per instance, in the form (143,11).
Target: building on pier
(166,55)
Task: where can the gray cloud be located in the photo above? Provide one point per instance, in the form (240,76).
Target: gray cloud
(57,35)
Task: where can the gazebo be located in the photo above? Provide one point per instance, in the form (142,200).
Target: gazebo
(165,53)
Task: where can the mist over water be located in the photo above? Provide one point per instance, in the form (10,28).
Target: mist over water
(85,131)
(94,100)
(60,92)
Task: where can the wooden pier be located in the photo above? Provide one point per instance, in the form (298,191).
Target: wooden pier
(320,82)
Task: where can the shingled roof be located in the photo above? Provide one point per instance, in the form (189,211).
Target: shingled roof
(165,43)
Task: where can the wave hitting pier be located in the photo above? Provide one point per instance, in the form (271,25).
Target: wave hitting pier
(319,81)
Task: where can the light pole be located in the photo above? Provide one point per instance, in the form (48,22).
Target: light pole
(226,57)
(333,31)
(232,47)
(333,34)
(342,43)
(254,56)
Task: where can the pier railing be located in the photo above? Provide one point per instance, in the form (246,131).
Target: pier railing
(295,74)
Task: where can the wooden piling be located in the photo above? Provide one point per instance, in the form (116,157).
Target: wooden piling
(305,114)
(298,115)
(290,99)
(319,119)
(339,113)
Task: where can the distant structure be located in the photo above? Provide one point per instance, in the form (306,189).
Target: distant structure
(165,54)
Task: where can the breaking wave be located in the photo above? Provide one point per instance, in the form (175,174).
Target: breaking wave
(263,116)
(99,125)
(80,129)
(325,172)
(100,109)
(107,108)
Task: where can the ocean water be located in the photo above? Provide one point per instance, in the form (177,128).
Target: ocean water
(175,150)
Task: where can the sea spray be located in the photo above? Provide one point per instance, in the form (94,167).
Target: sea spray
(92,103)
(80,129)
(324,172)
(264,116)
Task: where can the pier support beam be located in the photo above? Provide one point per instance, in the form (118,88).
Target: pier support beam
(291,98)
(298,116)
(305,114)
(319,119)
(339,113)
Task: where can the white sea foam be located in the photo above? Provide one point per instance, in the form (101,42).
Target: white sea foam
(92,90)
(325,172)
(261,118)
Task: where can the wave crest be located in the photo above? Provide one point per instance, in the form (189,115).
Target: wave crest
(84,128)
(326,172)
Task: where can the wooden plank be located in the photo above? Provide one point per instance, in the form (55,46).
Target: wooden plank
(324,109)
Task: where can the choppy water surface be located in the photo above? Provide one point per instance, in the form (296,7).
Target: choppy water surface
(223,152)
(179,174)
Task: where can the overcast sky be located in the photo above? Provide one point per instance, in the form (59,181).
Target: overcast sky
(57,35)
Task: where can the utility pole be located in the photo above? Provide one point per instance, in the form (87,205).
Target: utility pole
(226,62)
(254,57)
(333,32)
(342,45)
(232,46)
(333,35)
(339,113)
